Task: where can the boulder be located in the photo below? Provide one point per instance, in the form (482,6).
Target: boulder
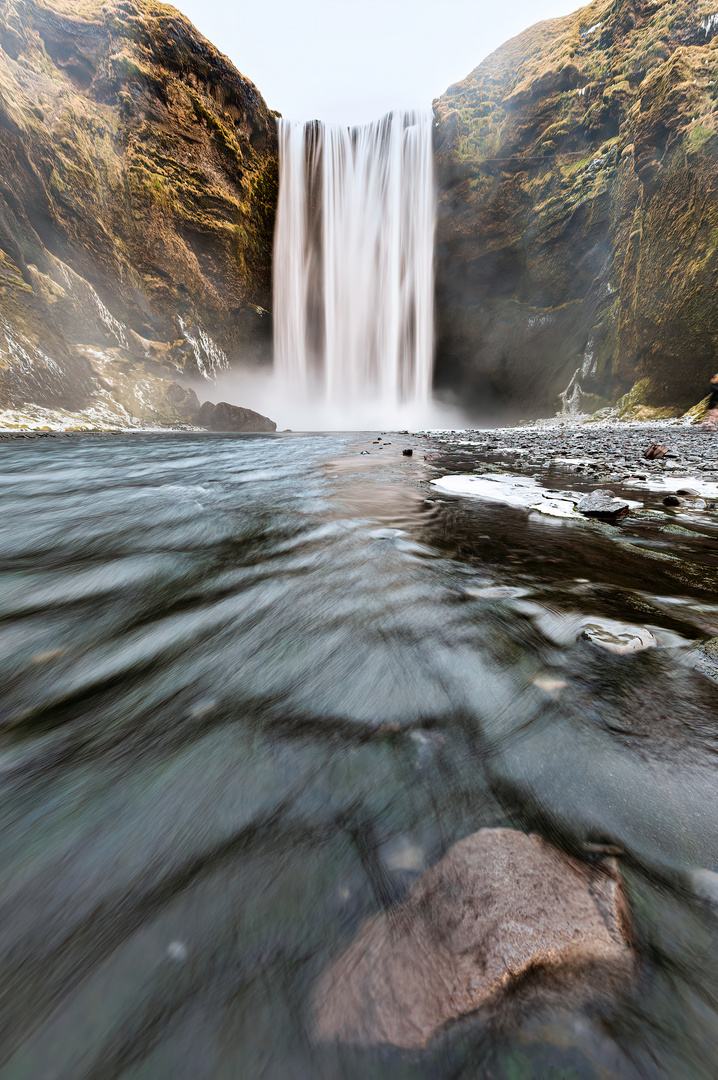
(673,500)
(604,506)
(226,417)
(655,452)
(499,905)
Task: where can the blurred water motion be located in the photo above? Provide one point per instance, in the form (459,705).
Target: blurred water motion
(252,687)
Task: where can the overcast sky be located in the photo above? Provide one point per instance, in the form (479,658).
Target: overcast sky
(353,60)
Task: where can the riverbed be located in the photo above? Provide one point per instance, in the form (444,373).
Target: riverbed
(254,686)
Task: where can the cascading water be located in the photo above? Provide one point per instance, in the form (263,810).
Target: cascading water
(354,260)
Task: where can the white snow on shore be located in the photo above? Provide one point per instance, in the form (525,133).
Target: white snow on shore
(521,491)
(706,489)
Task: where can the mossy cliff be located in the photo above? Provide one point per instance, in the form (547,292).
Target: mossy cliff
(138,177)
(578,229)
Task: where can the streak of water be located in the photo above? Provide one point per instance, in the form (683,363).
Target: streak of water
(250,687)
(354,260)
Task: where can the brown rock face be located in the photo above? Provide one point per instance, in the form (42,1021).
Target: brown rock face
(499,905)
(138,176)
(226,417)
(578,215)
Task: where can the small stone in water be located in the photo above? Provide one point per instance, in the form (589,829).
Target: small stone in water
(554,687)
(176,950)
(408,452)
(673,500)
(618,637)
(690,492)
(603,506)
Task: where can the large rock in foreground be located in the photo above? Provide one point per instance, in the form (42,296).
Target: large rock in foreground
(498,905)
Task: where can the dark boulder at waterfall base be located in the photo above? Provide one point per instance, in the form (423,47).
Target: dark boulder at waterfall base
(226,417)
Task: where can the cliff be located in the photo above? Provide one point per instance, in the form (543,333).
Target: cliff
(578,229)
(138,176)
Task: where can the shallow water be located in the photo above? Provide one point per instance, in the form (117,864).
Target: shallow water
(252,686)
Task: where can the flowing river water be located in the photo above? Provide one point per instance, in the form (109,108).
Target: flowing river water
(253,686)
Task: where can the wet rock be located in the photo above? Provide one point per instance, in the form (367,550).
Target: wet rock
(226,417)
(408,452)
(691,493)
(603,506)
(498,905)
(618,637)
(706,659)
(673,500)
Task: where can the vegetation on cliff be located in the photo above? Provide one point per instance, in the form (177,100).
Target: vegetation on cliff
(578,234)
(138,175)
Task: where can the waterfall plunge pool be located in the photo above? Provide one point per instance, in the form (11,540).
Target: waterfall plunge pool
(253,686)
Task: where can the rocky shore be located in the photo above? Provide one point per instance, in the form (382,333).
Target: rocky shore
(583,456)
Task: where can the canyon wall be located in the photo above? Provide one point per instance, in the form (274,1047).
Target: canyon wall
(138,185)
(578,214)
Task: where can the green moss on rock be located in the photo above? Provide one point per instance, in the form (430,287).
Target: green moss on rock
(138,189)
(601,153)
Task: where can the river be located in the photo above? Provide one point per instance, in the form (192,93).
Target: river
(252,686)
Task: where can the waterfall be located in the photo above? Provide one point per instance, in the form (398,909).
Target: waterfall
(354,260)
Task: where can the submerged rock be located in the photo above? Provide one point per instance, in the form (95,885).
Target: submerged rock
(604,506)
(498,905)
(226,417)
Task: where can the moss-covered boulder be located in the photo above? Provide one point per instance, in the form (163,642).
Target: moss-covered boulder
(578,229)
(138,184)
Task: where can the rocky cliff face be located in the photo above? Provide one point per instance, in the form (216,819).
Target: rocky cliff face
(578,233)
(138,176)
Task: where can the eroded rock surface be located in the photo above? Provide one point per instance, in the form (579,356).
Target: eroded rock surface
(138,180)
(577,239)
(499,905)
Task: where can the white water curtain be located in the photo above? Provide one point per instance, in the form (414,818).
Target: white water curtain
(354,259)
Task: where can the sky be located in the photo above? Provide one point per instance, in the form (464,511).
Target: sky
(351,61)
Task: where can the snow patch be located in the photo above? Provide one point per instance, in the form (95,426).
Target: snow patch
(519,491)
(705,488)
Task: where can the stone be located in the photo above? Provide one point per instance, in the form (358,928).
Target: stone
(673,500)
(690,493)
(408,452)
(656,452)
(226,417)
(604,506)
(618,637)
(499,905)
